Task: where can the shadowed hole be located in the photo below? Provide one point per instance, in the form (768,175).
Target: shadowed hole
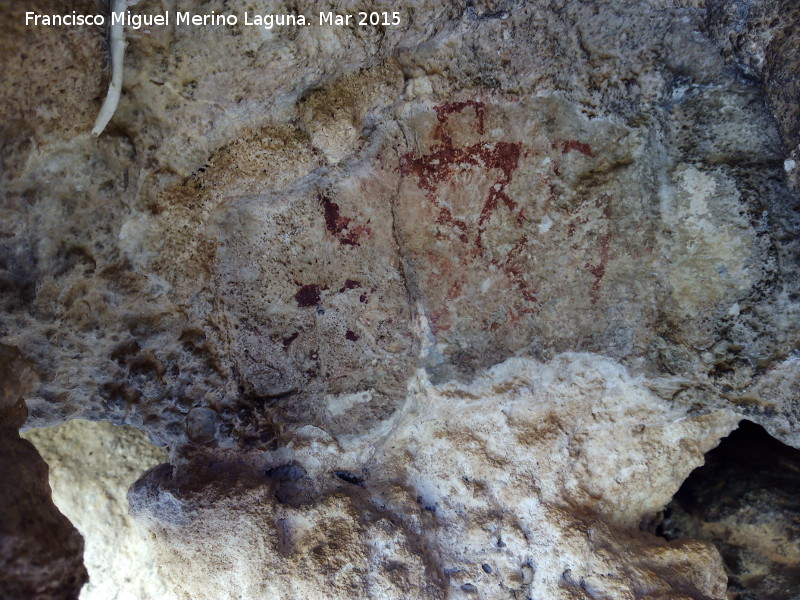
(745,499)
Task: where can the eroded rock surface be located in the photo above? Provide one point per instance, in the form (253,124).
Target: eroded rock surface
(92,465)
(41,553)
(510,266)
(762,35)
(510,486)
(745,500)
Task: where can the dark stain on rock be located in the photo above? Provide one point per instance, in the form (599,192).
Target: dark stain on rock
(309,295)
(339,226)
(288,340)
(351,335)
(125,351)
(350,478)
(350,284)
(291,484)
(569,145)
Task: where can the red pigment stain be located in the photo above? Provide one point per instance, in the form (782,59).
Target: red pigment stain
(603,250)
(573,225)
(338,225)
(443,111)
(514,274)
(444,160)
(309,295)
(568,145)
(353,337)
(350,284)
(505,157)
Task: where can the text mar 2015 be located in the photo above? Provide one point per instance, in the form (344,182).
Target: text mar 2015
(137,21)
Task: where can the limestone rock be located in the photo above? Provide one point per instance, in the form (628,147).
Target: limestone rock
(443,309)
(40,551)
(762,35)
(509,486)
(92,465)
(745,500)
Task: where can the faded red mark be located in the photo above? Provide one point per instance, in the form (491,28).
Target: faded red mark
(441,163)
(340,226)
(603,250)
(505,157)
(350,335)
(569,145)
(573,225)
(309,295)
(288,340)
(443,112)
(445,159)
(460,217)
(514,274)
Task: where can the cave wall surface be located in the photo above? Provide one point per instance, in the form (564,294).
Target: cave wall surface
(92,464)
(443,310)
(41,552)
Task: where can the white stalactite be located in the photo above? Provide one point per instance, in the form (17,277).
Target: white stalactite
(117,55)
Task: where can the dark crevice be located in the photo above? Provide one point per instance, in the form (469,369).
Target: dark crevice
(350,478)
(746,501)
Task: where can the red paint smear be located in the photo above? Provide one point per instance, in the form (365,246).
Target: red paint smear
(350,284)
(339,225)
(353,337)
(440,164)
(444,160)
(515,276)
(568,145)
(573,225)
(443,111)
(604,251)
(309,295)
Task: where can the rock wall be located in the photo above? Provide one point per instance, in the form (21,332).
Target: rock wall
(511,486)
(40,551)
(447,309)
(92,465)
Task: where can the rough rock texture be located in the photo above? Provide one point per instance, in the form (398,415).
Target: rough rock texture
(746,499)
(92,465)
(762,35)
(40,551)
(507,487)
(549,247)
